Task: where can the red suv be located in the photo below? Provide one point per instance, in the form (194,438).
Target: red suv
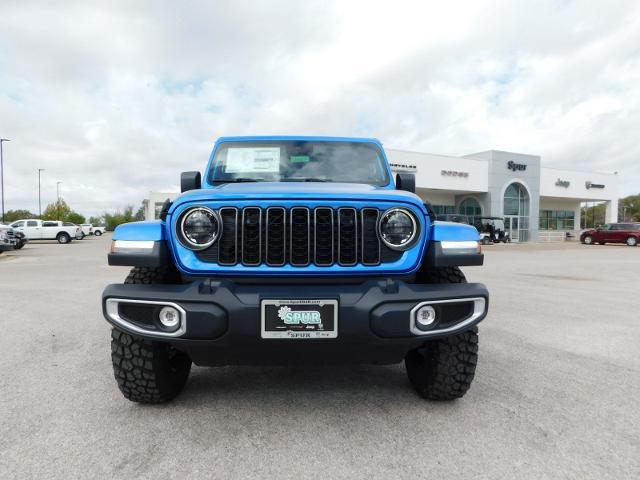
(628,233)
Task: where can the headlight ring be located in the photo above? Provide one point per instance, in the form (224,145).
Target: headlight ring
(395,231)
(199,228)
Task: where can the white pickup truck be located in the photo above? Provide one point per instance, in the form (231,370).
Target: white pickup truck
(47,230)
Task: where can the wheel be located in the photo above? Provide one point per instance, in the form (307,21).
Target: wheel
(63,237)
(443,369)
(587,240)
(82,235)
(632,241)
(19,246)
(148,371)
(98,233)
(485,241)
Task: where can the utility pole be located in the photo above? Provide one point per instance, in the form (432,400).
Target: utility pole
(39,195)
(2,173)
(58,200)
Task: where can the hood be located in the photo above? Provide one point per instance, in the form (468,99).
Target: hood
(297,190)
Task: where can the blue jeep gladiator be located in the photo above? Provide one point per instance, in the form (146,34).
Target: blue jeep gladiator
(294,250)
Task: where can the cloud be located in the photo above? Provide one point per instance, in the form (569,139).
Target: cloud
(116,99)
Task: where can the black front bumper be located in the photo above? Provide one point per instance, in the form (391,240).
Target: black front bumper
(222,320)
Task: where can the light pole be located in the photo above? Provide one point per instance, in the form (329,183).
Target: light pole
(2,173)
(39,196)
(58,190)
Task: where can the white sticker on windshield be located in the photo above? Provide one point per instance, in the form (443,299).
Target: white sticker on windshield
(253,160)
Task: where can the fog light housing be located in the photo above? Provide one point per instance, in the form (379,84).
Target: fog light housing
(425,317)
(169,317)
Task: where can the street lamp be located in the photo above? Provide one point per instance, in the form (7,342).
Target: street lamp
(58,190)
(2,173)
(39,196)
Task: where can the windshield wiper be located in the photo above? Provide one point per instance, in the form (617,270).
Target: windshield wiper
(305,180)
(240,180)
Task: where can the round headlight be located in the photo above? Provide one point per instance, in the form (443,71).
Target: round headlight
(397,228)
(200,227)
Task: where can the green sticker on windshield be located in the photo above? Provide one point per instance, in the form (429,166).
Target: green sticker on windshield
(299,158)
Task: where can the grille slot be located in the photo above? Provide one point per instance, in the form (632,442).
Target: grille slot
(370,240)
(228,246)
(323,235)
(276,231)
(347,236)
(251,236)
(299,236)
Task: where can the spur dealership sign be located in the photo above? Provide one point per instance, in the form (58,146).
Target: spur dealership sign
(516,167)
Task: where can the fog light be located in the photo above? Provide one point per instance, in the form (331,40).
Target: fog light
(425,317)
(169,317)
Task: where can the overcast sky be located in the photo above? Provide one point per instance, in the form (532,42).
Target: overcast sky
(116,100)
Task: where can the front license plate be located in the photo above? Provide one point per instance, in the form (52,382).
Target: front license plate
(299,319)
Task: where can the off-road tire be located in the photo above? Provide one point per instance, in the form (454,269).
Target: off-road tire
(443,368)
(152,275)
(63,238)
(148,371)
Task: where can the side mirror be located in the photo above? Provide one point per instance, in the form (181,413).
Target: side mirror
(406,182)
(190,181)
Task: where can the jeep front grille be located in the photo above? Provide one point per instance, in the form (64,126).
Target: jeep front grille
(298,236)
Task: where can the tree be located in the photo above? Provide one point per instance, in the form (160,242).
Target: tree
(96,220)
(13,215)
(75,217)
(139,216)
(112,220)
(59,210)
(629,209)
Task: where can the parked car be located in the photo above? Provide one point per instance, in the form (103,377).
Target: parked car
(294,250)
(7,238)
(628,233)
(35,229)
(20,240)
(98,230)
(87,229)
(79,232)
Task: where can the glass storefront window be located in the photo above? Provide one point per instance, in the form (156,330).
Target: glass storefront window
(442,209)
(557,220)
(471,208)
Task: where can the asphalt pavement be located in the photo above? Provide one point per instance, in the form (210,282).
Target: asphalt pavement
(556,394)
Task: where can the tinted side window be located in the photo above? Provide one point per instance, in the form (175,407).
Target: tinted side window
(17,225)
(32,223)
(49,224)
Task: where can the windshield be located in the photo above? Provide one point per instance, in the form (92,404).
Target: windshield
(299,161)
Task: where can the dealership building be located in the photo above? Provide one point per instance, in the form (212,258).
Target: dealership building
(536,202)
